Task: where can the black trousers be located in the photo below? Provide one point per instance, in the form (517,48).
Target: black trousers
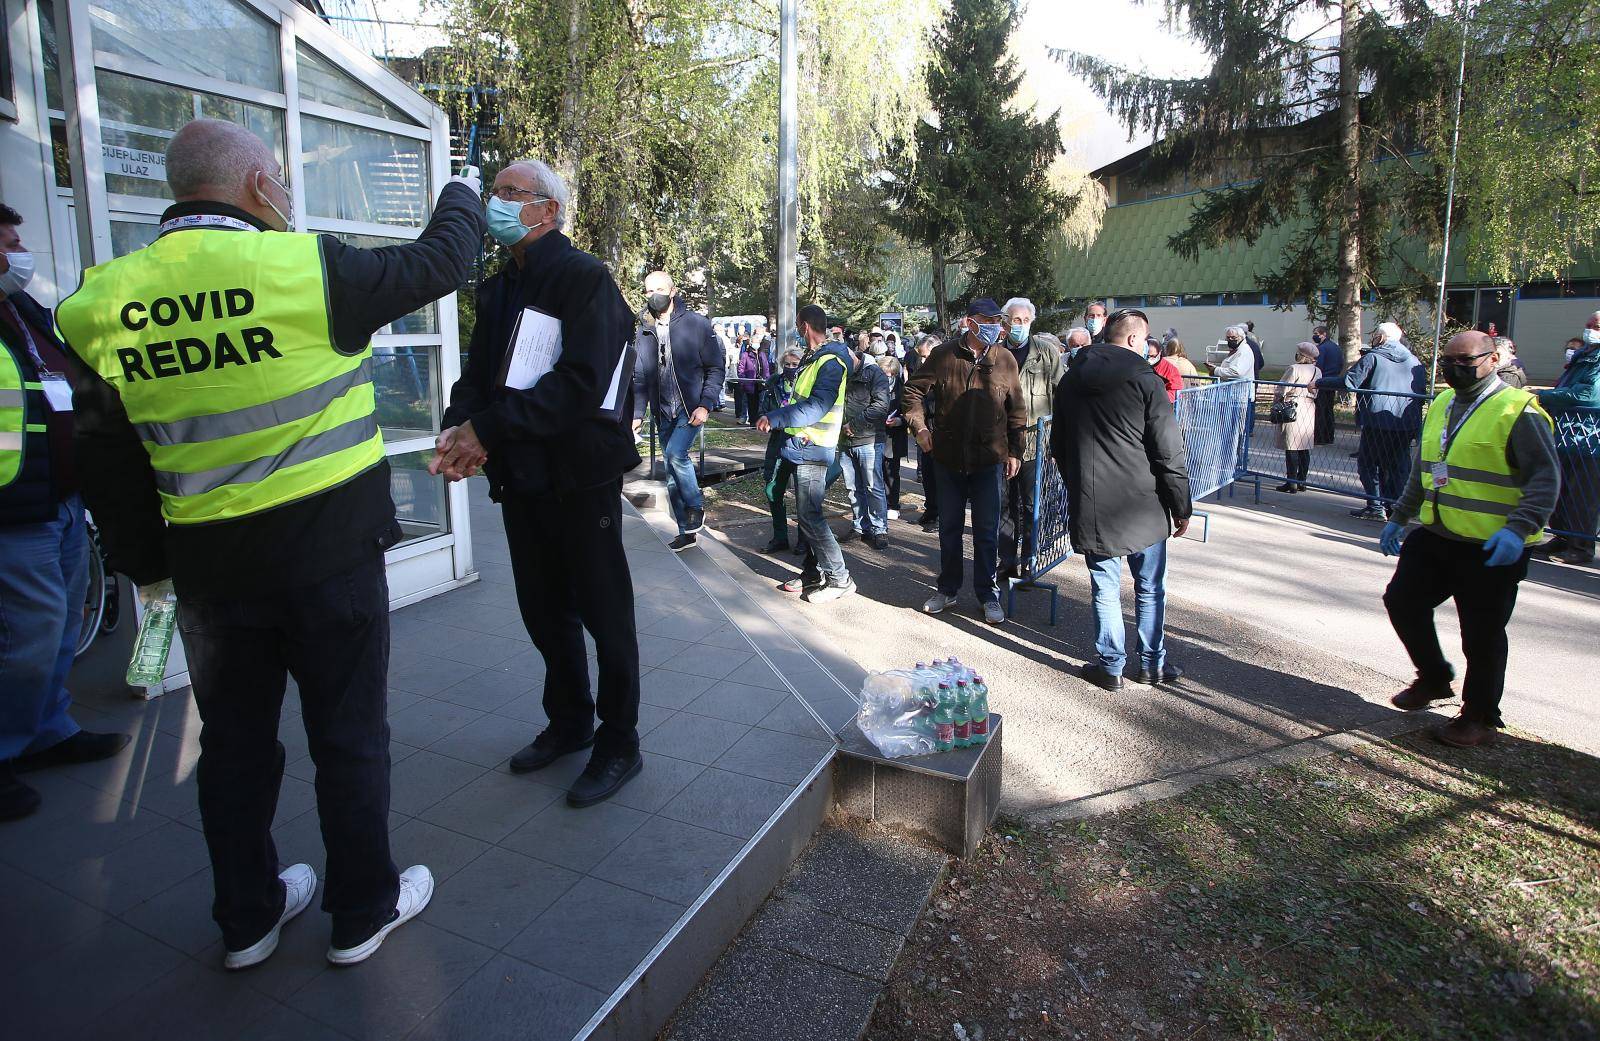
(1297,463)
(1016,519)
(930,485)
(1433,569)
(333,638)
(891,476)
(1323,430)
(572,574)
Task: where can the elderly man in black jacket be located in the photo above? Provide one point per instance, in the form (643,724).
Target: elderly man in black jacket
(1120,453)
(868,400)
(555,465)
(682,344)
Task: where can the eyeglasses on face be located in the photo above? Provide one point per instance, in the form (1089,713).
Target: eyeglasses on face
(510,193)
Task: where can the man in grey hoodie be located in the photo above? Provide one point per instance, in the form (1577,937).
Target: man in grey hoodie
(1390,416)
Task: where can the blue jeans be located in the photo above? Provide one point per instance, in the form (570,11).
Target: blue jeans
(44,576)
(863,477)
(683,484)
(955,490)
(1149,568)
(824,561)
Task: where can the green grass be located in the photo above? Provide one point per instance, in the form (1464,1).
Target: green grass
(1407,893)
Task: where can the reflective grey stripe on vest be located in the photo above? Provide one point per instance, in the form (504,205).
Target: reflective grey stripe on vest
(1461,502)
(10,441)
(1467,473)
(13,398)
(346,435)
(251,418)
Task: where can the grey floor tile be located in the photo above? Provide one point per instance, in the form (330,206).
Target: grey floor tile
(786,758)
(736,702)
(576,839)
(429,675)
(699,739)
(668,859)
(662,778)
(282,1023)
(690,625)
(729,637)
(527,708)
(671,690)
(37,919)
(193,1001)
(791,717)
(652,716)
(418,967)
(826,938)
(796,998)
(701,660)
(153,755)
(510,1000)
(445,852)
(757,673)
(133,873)
(486,741)
(47,997)
(528,662)
(653,650)
(596,933)
(487,690)
(74,822)
(733,804)
(497,896)
(179,916)
(422,779)
(460,642)
(492,806)
(425,722)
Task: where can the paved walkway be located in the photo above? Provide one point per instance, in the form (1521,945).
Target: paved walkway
(542,912)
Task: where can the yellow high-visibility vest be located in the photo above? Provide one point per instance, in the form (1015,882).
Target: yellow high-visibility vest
(220,345)
(825,431)
(22,429)
(1479,490)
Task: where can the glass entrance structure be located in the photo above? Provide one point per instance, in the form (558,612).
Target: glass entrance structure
(94,89)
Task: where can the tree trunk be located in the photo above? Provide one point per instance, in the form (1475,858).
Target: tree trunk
(566,163)
(1347,309)
(941,305)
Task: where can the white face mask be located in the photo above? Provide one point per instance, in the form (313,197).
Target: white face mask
(1591,337)
(1570,352)
(18,275)
(1095,325)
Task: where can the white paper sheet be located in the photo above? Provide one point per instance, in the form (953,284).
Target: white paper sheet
(534,349)
(613,399)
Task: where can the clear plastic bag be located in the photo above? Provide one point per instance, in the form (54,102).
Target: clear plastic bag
(894,717)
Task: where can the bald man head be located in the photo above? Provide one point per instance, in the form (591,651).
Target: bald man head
(1467,361)
(212,160)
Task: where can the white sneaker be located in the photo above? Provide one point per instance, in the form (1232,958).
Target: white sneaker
(992,613)
(894,514)
(416,889)
(299,883)
(937,603)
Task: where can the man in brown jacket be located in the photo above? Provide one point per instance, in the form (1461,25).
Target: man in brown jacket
(974,386)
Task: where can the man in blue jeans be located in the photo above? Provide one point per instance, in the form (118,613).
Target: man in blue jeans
(868,399)
(1121,456)
(43,545)
(679,374)
(976,447)
(811,423)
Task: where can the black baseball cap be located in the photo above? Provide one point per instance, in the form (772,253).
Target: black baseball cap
(983,307)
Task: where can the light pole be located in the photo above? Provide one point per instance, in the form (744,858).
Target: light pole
(788,177)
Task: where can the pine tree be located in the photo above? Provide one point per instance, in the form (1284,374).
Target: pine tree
(1290,126)
(979,191)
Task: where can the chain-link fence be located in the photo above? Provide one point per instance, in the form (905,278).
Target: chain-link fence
(1577,516)
(1215,420)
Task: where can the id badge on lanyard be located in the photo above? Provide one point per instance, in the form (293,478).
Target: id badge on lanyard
(1440,470)
(57,391)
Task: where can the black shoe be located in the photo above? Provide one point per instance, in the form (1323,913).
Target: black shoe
(930,526)
(1554,546)
(1369,513)
(878,542)
(546,749)
(16,799)
(82,747)
(850,535)
(1169,674)
(603,777)
(1284,488)
(775,545)
(1574,556)
(1100,677)
(682,542)
(694,522)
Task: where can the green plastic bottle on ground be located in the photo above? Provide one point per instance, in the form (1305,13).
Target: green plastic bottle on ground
(979,711)
(944,720)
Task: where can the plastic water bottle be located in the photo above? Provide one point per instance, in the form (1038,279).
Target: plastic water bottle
(148,666)
(963,720)
(944,720)
(979,711)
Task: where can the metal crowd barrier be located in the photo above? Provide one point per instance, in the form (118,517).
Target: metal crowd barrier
(1051,542)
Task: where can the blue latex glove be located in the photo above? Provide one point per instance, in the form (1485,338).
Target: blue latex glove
(1390,537)
(1504,547)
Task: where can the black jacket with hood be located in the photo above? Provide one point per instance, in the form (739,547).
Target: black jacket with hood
(1116,441)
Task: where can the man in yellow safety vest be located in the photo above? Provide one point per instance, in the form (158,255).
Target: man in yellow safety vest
(1483,484)
(228,446)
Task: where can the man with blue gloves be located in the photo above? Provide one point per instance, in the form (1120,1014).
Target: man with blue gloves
(1483,485)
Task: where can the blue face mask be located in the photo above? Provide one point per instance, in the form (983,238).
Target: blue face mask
(1018,334)
(988,333)
(505,220)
